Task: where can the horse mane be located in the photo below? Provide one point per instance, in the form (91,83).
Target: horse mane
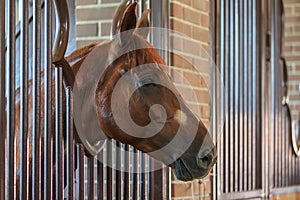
(76,58)
(81,52)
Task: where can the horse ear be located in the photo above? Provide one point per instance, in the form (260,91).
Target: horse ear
(128,21)
(116,23)
(143,25)
(127,24)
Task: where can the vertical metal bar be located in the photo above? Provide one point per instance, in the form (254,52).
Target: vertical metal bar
(135,172)
(24,103)
(250,94)
(254,93)
(119,171)
(231,94)
(91,176)
(48,149)
(214,87)
(109,178)
(80,167)
(36,99)
(273,105)
(11,59)
(58,135)
(100,178)
(127,173)
(143,177)
(237,95)
(227,108)
(262,22)
(242,97)
(70,143)
(222,77)
(245,133)
(2,100)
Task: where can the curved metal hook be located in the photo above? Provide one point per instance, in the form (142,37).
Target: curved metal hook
(61,41)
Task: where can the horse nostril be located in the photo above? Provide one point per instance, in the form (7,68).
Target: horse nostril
(205,161)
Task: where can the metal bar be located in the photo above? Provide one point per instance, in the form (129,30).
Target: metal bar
(214,87)
(143,177)
(273,107)
(36,99)
(24,103)
(119,170)
(100,178)
(70,143)
(58,135)
(80,167)
(62,33)
(2,101)
(127,173)
(11,56)
(91,176)
(61,41)
(245,95)
(231,91)
(109,174)
(264,93)
(237,95)
(241,99)
(254,94)
(222,77)
(250,94)
(135,172)
(48,149)
(227,103)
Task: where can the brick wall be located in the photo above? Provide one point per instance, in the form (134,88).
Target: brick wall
(191,18)
(292,53)
(93,20)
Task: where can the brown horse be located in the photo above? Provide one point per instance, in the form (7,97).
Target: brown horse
(130,85)
(130,65)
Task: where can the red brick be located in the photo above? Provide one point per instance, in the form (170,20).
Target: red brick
(202,65)
(192,79)
(177,43)
(177,75)
(98,13)
(178,26)
(201,5)
(291,1)
(191,16)
(186,2)
(111,1)
(191,47)
(205,21)
(200,34)
(105,29)
(292,58)
(180,190)
(85,2)
(176,10)
(292,19)
(205,112)
(292,38)
(181,61)
(84,30)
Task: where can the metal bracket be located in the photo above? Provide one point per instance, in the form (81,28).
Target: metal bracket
(61,41)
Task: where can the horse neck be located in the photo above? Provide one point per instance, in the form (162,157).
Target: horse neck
(76,58)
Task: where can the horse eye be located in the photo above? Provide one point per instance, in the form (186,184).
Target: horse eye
(150,85)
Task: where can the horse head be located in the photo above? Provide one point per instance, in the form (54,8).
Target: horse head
(136,102)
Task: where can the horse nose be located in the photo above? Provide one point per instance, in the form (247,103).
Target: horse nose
(205,160)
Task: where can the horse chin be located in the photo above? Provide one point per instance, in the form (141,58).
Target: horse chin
(181,171)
